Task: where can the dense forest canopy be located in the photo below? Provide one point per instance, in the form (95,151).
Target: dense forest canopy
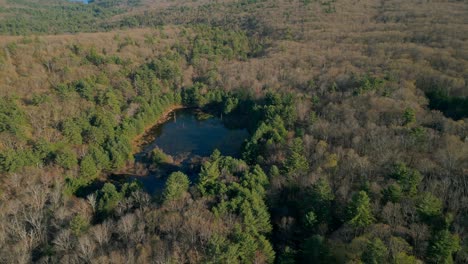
(356,110)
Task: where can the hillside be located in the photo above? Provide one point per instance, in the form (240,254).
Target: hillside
(357,113)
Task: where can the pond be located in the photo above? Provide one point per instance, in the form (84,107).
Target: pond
(188,136)
(189,131)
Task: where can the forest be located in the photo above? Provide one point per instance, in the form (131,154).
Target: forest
(356,112)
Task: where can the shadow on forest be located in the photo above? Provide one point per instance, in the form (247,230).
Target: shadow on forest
(93,187)
(152,178)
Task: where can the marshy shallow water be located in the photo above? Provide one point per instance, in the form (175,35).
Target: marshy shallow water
(188,136)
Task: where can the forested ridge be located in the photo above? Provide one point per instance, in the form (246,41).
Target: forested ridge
(356,112)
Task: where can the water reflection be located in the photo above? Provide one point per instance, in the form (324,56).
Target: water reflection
(188,140)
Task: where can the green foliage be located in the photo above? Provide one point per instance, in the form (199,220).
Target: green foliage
(72,131)
(296,162)
(266,249)
(167,68)
(12,118)
(213,43)
(85,88)
(375,253)
(207,181)
(368,83)
(256,180)
(108,199)
(274,171)
(328,7)
(418,134)
(245,199)
(44,151)
(13,160)
(108,136)
(409,179)
(230,104)
(393,193)
(100,156)
(64,91)
(266,134)
(409,116)
(321,198)
(95,135)
(158,156)
(66,158)
(53,17)
(193,96)
(94,57)
(38,99)
(403,258)
(119,149)
(322,191)
(310,219)
(176,185)
(429,206)
(145,82)
(221,250)
(274,115)
(242,248)
(288,256)
(130,187)
(110,98)
(442,246)
(88,168)
(79,225)
(360,211)
(400,249)
(282,105)
(313,117)
(255,215)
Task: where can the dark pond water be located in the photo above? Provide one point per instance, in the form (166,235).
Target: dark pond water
(188,139)
(185,133)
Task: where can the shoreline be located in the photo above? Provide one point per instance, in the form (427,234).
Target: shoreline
(138,141)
